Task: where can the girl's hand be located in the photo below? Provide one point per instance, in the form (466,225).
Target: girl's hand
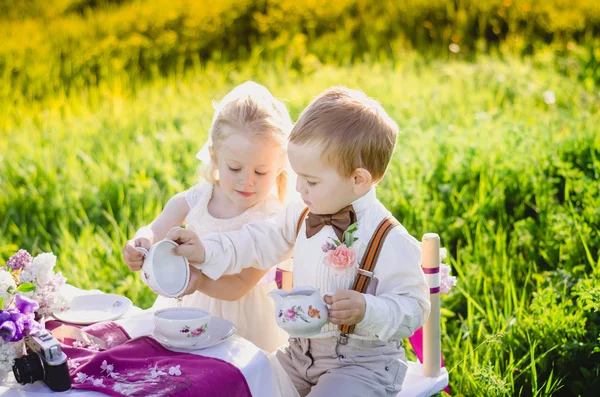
(196,280)
(347,307)
(134,258)
(190,245)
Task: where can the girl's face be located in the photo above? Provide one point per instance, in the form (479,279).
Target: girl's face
(248,168)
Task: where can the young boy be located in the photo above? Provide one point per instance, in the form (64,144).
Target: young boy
(340,148)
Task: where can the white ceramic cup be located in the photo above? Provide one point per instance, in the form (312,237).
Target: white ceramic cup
(165,273)
(182,325)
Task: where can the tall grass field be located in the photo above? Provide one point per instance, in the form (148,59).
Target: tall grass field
(499,153)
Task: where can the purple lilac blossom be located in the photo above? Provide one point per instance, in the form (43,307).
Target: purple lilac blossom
(7,331)
(20,260)
(327,246)
(14,324)
(26,305)
(4,315)
(447,281)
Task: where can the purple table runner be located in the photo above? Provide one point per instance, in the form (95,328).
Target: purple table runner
(143,367)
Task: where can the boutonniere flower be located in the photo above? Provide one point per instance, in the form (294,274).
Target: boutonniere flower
(340,255)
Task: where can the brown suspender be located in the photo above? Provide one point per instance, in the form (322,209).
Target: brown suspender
(302,216)
(367,265)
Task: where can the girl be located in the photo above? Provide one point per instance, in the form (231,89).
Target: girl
(246,180)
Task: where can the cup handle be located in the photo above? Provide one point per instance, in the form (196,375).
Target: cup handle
(142,250)
(329,294)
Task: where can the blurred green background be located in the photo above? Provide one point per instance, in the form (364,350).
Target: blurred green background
(103,104)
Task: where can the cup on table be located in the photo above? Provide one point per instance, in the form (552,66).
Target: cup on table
(182,325)
(164,272)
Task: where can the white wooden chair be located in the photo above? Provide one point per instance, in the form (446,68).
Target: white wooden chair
(429,378)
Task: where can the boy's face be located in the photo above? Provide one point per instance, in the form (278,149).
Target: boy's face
(323,190)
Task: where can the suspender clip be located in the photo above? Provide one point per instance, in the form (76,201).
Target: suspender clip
(365,273)
(343,339)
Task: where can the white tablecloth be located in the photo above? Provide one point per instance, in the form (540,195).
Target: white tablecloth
(253,362)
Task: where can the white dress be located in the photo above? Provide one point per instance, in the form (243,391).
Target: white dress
(254,313)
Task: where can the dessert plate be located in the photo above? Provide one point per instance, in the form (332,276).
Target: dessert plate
(93,308)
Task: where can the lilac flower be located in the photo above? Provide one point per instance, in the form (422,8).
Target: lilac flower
(7,331)
(107,367)
(26,305)
(4,315)
(155,372)
(13,324)
(20,260)
(81,377)
(72,364)
(447,281)
(18,319)
(327,246)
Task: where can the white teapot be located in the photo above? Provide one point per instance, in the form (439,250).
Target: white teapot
(165,273)
(301,312)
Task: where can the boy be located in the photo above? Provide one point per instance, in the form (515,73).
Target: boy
(340,148)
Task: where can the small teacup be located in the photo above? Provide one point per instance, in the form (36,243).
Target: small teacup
(182,325)
(165,273)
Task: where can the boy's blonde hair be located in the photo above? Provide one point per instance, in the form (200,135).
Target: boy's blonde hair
(353,131)
(251,109)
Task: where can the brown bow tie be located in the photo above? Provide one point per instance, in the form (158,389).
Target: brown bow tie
(338,221)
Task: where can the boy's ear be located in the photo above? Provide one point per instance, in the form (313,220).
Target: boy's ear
(362,180)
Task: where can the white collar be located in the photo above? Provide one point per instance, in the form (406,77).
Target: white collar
(365,201)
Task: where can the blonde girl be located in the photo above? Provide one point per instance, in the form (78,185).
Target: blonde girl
(246,180)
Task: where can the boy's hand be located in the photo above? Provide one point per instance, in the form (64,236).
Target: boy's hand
(134,258)
(347,307)
(189,244)
(196,279)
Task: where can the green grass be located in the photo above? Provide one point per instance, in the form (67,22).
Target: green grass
(509,182)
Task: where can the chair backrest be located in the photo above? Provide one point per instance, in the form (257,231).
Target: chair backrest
(432,346)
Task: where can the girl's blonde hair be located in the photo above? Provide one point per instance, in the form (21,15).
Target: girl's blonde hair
(251,109)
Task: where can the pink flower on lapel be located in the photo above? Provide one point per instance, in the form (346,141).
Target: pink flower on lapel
(341,258)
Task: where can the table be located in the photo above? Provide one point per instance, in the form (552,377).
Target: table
(259,369)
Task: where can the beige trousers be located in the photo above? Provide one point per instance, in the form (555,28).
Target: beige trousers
(325,368)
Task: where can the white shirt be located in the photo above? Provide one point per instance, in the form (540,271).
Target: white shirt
(397,302)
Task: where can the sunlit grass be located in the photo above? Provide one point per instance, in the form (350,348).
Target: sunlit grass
(509,181)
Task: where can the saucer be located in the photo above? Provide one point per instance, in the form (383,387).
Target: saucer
(93,308)
(218,331)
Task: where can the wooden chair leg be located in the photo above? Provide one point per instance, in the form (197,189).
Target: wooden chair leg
(432,348)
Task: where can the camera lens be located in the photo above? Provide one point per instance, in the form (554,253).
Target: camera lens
(28,369)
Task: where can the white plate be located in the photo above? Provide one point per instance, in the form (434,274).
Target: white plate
(218,331)
(93,308)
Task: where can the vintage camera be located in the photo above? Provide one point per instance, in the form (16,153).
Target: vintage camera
(44,361)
